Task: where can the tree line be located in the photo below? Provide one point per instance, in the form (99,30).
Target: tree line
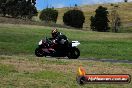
(75,18)
(18,8)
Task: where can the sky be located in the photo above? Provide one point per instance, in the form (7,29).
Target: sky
(41,4)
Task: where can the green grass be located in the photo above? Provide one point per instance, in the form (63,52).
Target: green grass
(32,72)
(23,39)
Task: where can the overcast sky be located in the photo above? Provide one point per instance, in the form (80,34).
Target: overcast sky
(41,4)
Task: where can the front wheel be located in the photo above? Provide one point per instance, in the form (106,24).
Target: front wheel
(39,52)
(74,53)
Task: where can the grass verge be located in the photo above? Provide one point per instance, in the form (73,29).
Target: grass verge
(32,72)
(23,39)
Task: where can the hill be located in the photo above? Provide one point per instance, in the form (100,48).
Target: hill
(125,11)
(10,20)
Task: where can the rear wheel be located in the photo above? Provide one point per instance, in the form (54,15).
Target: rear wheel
(74,53)
(39,52)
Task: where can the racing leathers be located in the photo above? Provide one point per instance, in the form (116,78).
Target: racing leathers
(61,41)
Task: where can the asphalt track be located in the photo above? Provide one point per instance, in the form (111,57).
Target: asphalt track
(100,60)
(107,60)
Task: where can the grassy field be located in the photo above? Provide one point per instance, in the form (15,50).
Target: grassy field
(20,39)
(27,71)
(20,68)
(23,39)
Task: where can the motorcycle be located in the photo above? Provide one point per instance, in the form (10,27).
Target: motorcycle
(46,47)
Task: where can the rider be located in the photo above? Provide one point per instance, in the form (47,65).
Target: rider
(59,39)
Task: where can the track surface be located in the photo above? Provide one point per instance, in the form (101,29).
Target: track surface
(101,60)
(107,60)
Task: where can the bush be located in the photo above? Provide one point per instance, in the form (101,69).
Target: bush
(99,22)
(49,14)
(125,0)
(74,18)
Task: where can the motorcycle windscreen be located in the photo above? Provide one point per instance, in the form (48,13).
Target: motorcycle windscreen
(75,43)
(40,42)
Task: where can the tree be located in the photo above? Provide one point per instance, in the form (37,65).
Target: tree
(74,18)
(48,15)
(76,7)
(115,19)
(125,0)
(2,1)
(2,7)
(99,22)
(92,25)
(18,8)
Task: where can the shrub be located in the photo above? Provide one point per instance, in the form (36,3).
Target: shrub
(74,18)
(125,0)
(49,14)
